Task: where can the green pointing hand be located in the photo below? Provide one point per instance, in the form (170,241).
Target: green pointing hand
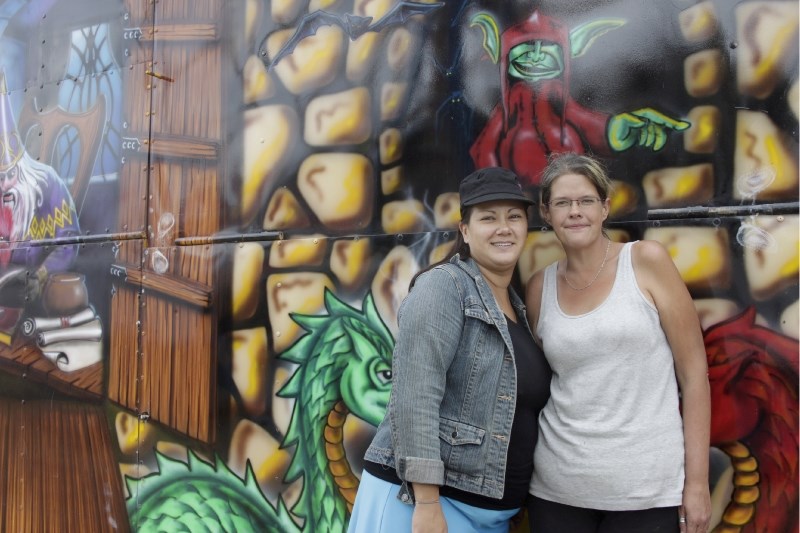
(645,127)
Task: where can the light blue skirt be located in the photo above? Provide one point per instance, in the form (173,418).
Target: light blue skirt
(377,510)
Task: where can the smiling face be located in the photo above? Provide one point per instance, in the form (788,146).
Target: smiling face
(535,61)
(496,233)
(575,223)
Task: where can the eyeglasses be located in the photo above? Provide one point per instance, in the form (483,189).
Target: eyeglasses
(587,202)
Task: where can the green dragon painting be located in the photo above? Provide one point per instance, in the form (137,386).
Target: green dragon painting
(343,366)
(199,497)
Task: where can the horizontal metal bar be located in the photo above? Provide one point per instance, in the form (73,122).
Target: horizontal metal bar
(229,238)
(784,208)
(85,239)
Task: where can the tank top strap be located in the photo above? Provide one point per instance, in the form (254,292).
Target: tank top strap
(625,284)
(625,262)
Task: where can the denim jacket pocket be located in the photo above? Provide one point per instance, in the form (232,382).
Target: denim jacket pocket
(462,446)
(478,325)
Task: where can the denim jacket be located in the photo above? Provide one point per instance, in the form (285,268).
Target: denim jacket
(454,386)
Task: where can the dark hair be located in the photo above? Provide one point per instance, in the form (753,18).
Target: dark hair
(459,247)
(570,163)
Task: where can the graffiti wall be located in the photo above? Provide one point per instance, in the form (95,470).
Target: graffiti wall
(211,211)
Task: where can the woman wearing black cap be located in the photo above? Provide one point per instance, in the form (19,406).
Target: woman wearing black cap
(455,449)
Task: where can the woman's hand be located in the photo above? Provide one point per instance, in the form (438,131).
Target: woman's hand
(428,518)
(696,509)
(428,515)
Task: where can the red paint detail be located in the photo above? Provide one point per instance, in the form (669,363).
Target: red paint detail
(753,372)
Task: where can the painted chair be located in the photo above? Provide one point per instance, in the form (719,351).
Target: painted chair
(51,124)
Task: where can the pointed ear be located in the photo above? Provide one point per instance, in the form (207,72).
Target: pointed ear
(491,34)
(583,36)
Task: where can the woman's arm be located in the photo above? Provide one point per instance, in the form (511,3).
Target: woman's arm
(659,278)
(533,302)
(431,320)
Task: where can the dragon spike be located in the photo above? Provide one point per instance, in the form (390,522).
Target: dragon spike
(335,305)
(167,464)
(250,480)
(370,311)
(300,350)
(193,459)
(283,511)
(132,484)
(197,463)
(308,322)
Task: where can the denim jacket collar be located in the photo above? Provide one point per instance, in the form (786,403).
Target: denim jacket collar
(471,267)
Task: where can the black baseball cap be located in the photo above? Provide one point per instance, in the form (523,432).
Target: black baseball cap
(489,184)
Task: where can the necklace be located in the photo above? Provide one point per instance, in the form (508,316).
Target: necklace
(566,266)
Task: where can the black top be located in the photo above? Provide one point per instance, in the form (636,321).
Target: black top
(533,391)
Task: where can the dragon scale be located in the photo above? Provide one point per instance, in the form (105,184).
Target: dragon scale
(320,501)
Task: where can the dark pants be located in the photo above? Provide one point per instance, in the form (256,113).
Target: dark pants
(550,517)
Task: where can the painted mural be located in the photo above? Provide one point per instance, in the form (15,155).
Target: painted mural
(211,211)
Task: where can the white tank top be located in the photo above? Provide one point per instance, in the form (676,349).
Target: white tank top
(611,436)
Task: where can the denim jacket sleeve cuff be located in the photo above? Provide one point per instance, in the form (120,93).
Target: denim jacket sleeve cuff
(421,470)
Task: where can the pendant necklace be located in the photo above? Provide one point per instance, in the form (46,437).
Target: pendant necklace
(566,265)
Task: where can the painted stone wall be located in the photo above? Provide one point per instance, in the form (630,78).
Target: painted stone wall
(212,211)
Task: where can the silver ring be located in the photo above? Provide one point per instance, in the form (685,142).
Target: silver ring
(682,520)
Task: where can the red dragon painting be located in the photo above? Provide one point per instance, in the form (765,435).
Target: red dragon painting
(753,372)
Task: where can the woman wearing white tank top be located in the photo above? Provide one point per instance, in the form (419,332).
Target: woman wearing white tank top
(624,439)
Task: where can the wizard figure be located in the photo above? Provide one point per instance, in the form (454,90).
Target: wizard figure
(36,206)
